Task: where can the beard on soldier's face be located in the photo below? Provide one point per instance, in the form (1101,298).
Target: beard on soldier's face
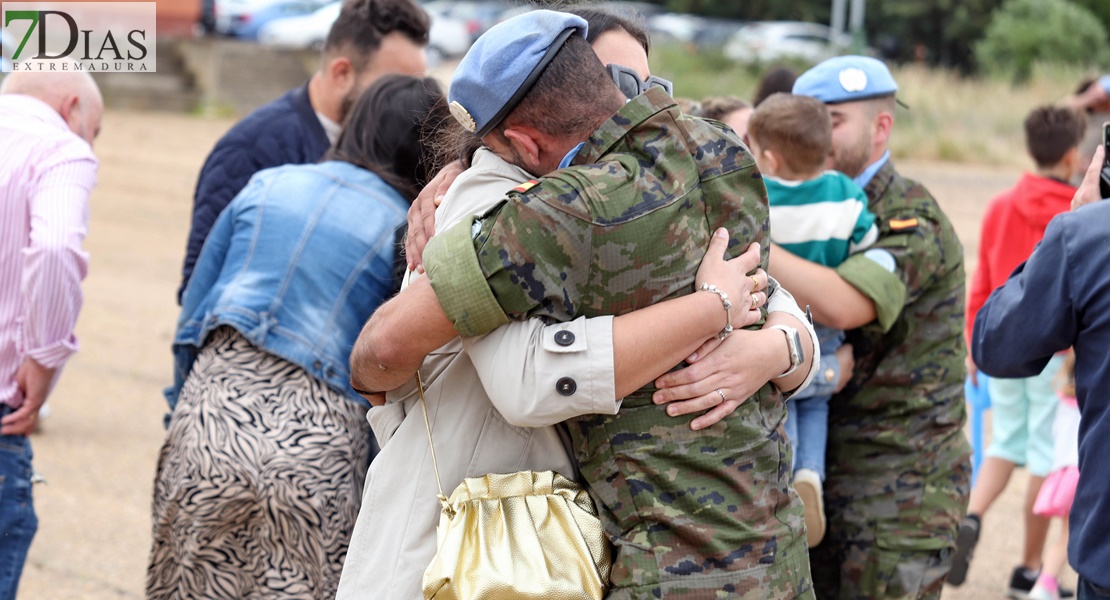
(853,159)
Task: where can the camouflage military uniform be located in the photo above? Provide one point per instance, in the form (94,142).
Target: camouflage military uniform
(898,466)
(706,514)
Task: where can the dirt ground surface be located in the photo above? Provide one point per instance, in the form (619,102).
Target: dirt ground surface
(99,446)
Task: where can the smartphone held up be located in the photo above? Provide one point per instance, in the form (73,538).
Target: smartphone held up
(1104,180)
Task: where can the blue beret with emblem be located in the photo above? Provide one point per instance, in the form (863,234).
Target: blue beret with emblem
(846,79)
(502,66)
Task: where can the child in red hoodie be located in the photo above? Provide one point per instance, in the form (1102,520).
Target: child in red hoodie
(1022,410)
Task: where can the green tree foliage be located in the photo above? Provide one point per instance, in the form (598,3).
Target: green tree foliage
(1027,32)
(1100,8)
(946,29)
(943,30)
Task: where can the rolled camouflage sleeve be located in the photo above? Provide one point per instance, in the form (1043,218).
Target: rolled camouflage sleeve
(517,261)
(901,265)
(878,282)
(459,283)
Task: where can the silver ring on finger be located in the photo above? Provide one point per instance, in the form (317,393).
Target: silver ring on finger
(755,300)
(718,390)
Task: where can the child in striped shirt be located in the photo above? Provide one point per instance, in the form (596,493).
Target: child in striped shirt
(821,216)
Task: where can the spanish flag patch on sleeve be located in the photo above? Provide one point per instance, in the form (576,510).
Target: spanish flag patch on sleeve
(531,183)
(903,224)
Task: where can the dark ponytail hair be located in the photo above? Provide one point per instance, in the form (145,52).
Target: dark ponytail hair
(392,129)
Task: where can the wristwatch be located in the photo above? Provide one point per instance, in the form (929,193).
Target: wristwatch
(794,344)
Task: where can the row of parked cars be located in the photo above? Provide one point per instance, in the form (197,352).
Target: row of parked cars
(305,23)
(457,23)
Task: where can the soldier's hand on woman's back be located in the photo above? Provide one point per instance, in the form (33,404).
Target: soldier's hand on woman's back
(422,213)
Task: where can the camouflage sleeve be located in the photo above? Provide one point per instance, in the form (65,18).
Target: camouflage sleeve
(911,251)
(459,283)
(520,260)
(882,287)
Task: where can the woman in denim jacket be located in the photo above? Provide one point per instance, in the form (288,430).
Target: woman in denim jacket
(260,478)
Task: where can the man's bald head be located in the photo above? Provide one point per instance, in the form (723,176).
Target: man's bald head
(73,94)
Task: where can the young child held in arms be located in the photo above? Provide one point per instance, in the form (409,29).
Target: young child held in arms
(822,216)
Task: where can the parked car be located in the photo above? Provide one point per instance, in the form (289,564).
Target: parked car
(248,23)
(308,31)
(633,10)
(675,27)
(447,37)
(771,41)
(637,11)
(716,33)
(477,16)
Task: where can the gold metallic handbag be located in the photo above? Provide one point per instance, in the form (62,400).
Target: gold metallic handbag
(516,536)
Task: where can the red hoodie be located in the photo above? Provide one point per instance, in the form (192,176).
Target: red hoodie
(1013,225)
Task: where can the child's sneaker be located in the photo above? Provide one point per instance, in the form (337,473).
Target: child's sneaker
(1046,588)
(1022,581)
(808,485)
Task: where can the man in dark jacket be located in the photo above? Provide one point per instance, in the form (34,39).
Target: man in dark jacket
(1060,299)
(371,38)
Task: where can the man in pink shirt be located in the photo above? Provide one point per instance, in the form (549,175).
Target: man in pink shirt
(48,122)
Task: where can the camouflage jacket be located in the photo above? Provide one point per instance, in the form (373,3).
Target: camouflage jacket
(898,458)
(691,514)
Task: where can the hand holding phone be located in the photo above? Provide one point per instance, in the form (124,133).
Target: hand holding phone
(1088,191)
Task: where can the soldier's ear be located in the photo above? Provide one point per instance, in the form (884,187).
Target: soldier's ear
(884,124)
(526,143)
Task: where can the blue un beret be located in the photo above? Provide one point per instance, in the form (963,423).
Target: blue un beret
(846,79)
(503,65)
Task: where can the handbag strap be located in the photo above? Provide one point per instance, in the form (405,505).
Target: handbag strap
(428,426)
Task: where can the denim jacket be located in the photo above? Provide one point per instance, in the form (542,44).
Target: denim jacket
(296,263)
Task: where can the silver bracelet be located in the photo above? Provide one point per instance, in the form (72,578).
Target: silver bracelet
(709,287)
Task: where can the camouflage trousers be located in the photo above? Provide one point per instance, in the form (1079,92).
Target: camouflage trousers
(865,571)
(780,583)
(892,517)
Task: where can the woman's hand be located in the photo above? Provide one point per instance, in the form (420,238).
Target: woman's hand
(747,293)
(738,367)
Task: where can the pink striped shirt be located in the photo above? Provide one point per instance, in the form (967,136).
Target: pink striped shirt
(46,175)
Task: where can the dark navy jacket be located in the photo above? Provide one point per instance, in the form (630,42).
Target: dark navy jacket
(285,131)
(1058,299)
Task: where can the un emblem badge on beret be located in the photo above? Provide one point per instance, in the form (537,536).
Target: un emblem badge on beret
(463,117)
(853,80)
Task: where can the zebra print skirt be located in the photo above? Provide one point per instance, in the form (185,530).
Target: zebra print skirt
(259,480)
